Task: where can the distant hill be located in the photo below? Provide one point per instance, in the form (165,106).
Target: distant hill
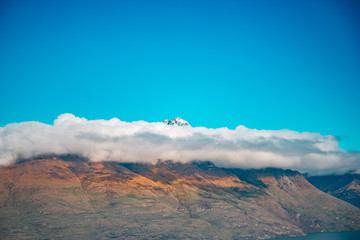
(345,187)
(68,197)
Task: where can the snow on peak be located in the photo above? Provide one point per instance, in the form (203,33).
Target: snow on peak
(177,122)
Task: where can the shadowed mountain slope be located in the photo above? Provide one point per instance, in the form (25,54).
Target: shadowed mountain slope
(345,187)
(71,198)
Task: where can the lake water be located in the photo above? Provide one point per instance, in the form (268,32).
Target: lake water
(355,235)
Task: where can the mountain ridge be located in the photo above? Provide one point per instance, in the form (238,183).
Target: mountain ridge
(71,197)
(345,187)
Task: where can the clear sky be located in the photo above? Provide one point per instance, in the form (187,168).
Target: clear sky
(263,64)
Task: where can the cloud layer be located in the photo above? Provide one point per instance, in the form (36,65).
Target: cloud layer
(115,140)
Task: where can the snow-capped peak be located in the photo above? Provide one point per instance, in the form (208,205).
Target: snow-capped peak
(177,122)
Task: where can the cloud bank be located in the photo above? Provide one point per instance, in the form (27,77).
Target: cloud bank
(140,141)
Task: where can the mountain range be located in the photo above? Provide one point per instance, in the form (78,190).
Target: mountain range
(70,197)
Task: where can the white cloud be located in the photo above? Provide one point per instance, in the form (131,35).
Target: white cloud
(105,140)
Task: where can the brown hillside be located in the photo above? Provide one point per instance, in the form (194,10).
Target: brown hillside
(76,199)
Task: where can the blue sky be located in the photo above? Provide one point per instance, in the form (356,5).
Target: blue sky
(263,64)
